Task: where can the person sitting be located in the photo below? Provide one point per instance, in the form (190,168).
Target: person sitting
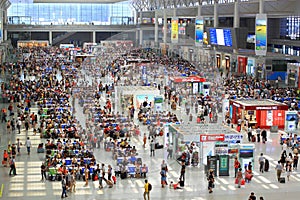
(175,186)
(60,170)
(74,160)
(117,170)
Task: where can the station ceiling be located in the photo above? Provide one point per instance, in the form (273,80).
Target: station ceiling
(77,1)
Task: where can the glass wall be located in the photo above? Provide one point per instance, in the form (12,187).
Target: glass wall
(27,12)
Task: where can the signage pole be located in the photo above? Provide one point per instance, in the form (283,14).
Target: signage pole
(201,159)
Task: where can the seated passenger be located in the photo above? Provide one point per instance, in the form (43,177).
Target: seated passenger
(175,186)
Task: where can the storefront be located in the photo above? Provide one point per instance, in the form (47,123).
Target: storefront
(250,66)
(223,60)
(258,113)
(32,43)
(242,63)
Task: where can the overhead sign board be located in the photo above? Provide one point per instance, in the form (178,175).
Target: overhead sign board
(212,137)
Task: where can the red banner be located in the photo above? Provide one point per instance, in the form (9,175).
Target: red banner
(212,137)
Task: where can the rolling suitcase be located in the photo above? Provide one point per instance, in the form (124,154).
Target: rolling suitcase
(267,165)
(281,180)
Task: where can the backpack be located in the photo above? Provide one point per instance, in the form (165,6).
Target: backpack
(149,187)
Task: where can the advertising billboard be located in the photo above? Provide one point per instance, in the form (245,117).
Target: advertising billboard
(261,34)
(291,121)
(199,30)
(174,31)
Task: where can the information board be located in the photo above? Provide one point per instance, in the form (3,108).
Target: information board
(212,164)
(223,165)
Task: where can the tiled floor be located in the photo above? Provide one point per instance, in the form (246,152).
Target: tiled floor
(27,185)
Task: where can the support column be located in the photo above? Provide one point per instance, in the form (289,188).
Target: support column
(165,26)
(141,31)
(136,18)
(141,37)
(137,37)
(5,35)
(199,10)
(50,37)
(261,6)
(156,29)
(94,36)
(216,14)
(236,18)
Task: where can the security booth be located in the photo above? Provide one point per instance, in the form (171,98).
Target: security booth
(263,113)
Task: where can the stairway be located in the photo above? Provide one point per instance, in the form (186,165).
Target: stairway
(62,37)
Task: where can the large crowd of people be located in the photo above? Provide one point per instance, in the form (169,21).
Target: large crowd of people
(44,86)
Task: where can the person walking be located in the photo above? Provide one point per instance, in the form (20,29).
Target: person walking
(261,161)
(258,134)
(19,146)
(5,158)
(28,145)
(182,172)
(100,178)
(144,140)
(86,175)
(252,196)
(279,170)
(19,124)
(211,180)
(73,182)
(109,172)
(295,161)
(12,166)
(147,190)
(152,148)
(163,175)
(43,171)
(288,170)
(249,133)
(239,177)
(170,151)
(237,165)
(264,136)
(64,187)
(164,166)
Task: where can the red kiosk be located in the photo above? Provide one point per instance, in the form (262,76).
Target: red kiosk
(193,82)
(262,113)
